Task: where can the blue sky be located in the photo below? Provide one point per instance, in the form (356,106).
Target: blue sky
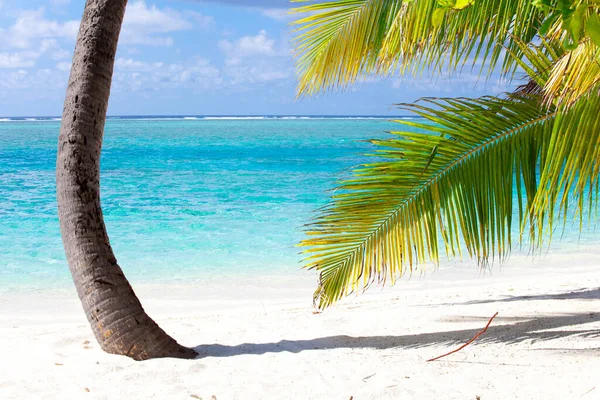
(188,57)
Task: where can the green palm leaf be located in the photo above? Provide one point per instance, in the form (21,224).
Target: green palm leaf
(574,75)
(450,182)
(343,36)
(345,39)
(570,173)
(569,81)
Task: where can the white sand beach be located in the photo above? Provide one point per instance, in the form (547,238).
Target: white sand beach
(270,344)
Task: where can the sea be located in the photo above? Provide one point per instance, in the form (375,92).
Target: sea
(185,198)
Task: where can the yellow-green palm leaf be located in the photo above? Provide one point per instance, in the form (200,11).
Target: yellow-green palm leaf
(574,75)
(449,182)
(570,174)
(343,36)
(346,39)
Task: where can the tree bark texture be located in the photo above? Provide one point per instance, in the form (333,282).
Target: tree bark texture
(116,316)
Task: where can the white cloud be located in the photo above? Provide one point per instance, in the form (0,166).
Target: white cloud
(31,26)
(59,3)
(63,66)
(283,14)
(133,65)
(263,72)
(454,83)
(279,14)
(200,20)
(248,46)
(43,79)
(29,58)
(31,36)
(255,3)
(255,59)
(146,25)
(133,51)
(135,75)
(60,54)
(18,60)
(53,49)
(13,80)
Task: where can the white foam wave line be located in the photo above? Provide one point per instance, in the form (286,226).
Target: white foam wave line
(234,118)
(26,120)
(287,118)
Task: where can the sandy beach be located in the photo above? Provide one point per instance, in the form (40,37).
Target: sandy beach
(209,149)
(271,344)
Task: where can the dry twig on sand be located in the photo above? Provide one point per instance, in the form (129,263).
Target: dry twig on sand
(469,342)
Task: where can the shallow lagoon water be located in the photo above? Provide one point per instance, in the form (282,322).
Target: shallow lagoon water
(185,200)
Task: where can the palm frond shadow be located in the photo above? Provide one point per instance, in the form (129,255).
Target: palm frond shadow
(581,294)
(534,329)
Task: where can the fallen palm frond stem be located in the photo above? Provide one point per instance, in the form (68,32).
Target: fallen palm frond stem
(469,342)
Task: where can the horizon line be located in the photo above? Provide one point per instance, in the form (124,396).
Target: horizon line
(226,116)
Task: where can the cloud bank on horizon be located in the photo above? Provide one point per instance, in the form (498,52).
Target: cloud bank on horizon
(186,57)
(255,4)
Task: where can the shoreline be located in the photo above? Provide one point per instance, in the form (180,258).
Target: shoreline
(545,342)
(257,341)
(218,284)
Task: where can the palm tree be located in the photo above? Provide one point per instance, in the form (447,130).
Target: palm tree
(116,316)
(447,180)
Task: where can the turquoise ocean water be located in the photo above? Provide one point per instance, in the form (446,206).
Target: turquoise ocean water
(183,198)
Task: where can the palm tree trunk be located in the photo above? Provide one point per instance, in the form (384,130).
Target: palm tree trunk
(118,320)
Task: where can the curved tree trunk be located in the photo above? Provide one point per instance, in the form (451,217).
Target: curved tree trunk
(118,320)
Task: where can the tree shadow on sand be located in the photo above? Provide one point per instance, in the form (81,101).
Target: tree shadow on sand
(581,294)
(525,329)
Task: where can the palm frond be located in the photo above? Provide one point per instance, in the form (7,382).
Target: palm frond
(538,59)
(341,41)
(346,39)
(476,32)
(575,74)
(450,182)
(570,173)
